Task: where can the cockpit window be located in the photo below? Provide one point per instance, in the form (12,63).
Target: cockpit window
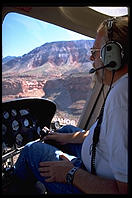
(46,61)
(112,11)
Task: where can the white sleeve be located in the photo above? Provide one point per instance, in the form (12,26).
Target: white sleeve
(117,142)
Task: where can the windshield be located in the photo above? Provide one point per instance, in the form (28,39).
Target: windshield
(46,61)
(112,11)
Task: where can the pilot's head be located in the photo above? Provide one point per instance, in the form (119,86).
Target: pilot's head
(111,48)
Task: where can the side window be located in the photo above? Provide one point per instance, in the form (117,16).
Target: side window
(54,69)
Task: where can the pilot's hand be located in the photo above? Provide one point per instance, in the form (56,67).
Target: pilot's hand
(61,138)
(55,171)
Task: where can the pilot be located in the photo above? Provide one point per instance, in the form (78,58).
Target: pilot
(93,161)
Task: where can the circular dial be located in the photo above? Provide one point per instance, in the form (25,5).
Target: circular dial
(15,125)
(38,130)
(26,122)
(6,115)
(13,112)
(4,129)
(4,147)
(23,112)
(19,139)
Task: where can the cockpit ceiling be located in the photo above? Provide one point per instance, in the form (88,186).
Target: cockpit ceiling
(83,20)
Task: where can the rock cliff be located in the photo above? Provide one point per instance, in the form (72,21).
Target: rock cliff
(57,70)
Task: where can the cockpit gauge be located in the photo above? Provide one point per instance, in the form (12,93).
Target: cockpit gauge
(4,129)
(15,125)
(26,122)
(6,115)
(23,112)
(38,130)
(13,112)
(19,139)
(4,147)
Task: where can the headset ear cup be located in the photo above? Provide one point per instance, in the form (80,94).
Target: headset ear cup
(112,55)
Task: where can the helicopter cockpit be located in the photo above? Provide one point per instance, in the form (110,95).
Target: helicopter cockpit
(27,119)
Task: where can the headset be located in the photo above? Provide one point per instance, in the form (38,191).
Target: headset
(112,52)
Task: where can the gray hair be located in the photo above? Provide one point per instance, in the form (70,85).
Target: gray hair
(119,32)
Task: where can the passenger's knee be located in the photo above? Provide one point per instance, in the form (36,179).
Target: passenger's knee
(65,129)
(68,129)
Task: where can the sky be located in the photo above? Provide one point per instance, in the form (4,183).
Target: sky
(21,34)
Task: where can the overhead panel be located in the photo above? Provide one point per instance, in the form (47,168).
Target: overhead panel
(83,20)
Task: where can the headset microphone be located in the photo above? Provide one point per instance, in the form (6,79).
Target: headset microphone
(111,64)
(94,70)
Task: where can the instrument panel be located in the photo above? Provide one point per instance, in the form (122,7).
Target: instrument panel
(19,127)
(23,121)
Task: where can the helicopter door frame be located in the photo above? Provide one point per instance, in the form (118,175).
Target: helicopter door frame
(93,106)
